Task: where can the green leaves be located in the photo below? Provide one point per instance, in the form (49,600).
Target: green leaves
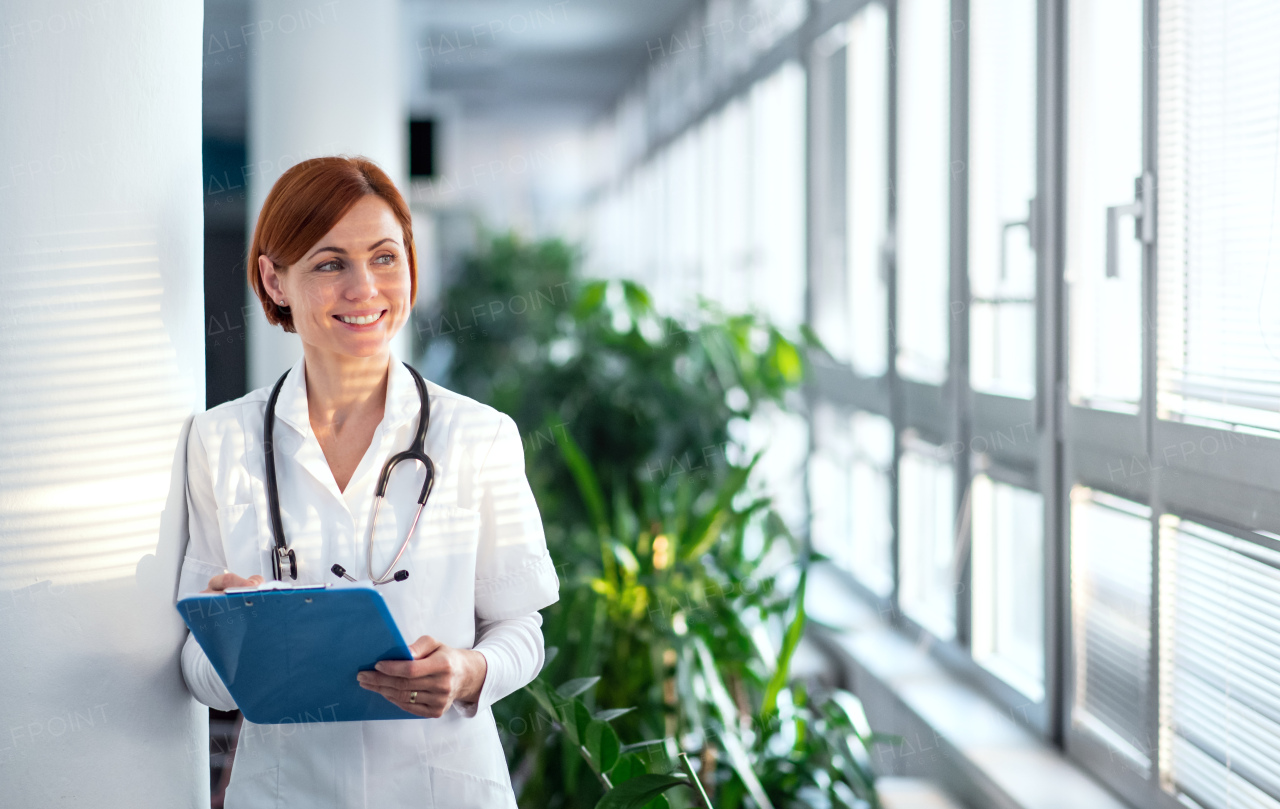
(612,713)
(588,484)
(624,776)
(639,791)
(602,745)
(791,640)
(573,688)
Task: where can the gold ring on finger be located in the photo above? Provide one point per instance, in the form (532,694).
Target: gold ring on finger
(413,697)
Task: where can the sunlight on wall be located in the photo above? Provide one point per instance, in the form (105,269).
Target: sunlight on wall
(85,468)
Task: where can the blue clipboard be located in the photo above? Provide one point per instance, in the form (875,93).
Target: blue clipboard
(291,654)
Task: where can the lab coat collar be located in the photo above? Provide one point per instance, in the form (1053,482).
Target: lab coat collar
(402,398)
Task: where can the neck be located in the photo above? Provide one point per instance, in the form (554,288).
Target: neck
(340,386)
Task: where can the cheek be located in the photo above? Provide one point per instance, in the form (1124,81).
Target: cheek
(319,296)
(402,288)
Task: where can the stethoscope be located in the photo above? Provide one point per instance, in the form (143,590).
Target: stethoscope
(416,452)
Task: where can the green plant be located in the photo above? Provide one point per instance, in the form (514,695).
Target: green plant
(726,694)
(671,558)
(631,777)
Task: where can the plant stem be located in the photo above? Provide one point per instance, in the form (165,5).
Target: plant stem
(693,777)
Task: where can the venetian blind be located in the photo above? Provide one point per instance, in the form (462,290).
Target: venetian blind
(1219,144)
(1220,706)
(1111,616)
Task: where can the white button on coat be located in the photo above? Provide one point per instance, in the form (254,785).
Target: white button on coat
(479,571)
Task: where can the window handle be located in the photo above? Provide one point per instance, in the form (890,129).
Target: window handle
(888,254)
(1029,223)
(1143,211)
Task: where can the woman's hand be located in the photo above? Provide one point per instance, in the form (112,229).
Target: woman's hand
(222,581)
(439,674)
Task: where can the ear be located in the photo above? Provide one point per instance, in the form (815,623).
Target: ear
(270,278)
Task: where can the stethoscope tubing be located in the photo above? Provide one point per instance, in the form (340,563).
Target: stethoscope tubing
(416,452)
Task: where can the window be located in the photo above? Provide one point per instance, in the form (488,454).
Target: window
(1104,157)
(921,239)
(1111,605)
(850,494)
(867,158)
(1008,583)
(777,215)
(851,185)
(870,501)
(830,485)
(1002,190)
(926,526)
(1220,712)
(1219,348)
(1055,200)
(730,219)
(719,212)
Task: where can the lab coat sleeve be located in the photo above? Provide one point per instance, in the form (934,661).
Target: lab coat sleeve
(514,572)
(513,650)
(205,558)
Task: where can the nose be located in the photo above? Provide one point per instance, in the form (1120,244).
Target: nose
(362,285)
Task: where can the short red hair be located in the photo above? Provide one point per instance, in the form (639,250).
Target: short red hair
(305,203)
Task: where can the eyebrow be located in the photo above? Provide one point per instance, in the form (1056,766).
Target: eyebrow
(342,252)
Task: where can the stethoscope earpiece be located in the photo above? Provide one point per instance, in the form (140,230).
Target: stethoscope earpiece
(341,572)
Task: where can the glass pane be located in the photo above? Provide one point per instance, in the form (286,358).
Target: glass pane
(1219,164)
(849,492)
(777,224)
(1111,618)
(1002,185)
(733,162)
(829,301)
(1104,155)
(849,298)
(1008,583)
(1219,654)
(868,187)
(871,501)
(829,484)
(926,524)
(922,236)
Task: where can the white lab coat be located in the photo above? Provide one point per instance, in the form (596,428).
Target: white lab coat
(479,573)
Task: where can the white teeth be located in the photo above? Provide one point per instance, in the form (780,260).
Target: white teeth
(359,321)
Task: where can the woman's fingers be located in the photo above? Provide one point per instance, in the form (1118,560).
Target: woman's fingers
(430,702)
(435,683)
(222,581)
(430,656)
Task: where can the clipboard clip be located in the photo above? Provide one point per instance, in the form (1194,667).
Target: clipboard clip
(267,586)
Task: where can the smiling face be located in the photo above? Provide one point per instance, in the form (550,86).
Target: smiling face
(350,292)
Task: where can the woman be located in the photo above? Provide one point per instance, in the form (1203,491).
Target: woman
(332,259)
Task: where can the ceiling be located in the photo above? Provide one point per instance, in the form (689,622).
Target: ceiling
(567,58)
(562,59)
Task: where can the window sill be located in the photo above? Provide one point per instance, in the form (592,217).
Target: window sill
(952,735)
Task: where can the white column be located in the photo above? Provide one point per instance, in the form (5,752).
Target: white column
(324,78)
(101,363)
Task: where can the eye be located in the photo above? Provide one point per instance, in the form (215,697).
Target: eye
(386,259)
(330,265)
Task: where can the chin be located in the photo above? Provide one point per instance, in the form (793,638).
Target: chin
(363,348)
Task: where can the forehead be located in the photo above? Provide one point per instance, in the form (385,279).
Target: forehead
(370,217)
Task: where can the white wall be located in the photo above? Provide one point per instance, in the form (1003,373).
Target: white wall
(324,78)
(101,361)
